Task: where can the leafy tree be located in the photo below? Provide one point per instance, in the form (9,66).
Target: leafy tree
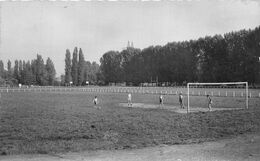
(74,68)
(51,72)
(81,67)
(67,67)
(136,69)
(110,66)
(9,69)
(125,63)
(237,52)
(20,71)
(91,72)
(40,73)
(94,72)
(87,71)
(252,43)
(30,79)
(1,69)
(33,68)
(62,80)
(16,70)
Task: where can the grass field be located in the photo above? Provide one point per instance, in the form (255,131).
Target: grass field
(50,122)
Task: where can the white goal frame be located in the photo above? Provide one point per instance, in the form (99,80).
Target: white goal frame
(224,83)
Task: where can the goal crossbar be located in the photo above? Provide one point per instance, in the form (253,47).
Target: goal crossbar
(224,83)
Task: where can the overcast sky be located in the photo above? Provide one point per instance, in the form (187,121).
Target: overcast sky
(49,28)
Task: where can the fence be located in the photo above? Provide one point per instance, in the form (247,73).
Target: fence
(142,90)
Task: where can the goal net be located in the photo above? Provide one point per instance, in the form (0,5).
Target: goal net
(224,96)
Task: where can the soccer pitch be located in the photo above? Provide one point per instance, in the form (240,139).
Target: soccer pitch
(47,122)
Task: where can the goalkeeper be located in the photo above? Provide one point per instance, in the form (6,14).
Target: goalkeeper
(181,100)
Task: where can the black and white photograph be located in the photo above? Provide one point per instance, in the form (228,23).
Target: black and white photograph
(130,80)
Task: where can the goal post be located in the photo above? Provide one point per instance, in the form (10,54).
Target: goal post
(217,84)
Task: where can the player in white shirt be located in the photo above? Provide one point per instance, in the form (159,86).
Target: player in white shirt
(161,100)
(129,100)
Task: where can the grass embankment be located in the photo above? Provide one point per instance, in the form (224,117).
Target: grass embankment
(53,122)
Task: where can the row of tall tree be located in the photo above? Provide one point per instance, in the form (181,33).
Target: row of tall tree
(233,56)
(78,71)
(34,72)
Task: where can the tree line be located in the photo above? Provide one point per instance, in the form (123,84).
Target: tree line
(34,72)
(231,57)
(78,71)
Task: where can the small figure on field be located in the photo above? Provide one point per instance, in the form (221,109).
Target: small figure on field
(209,102)
(161,100)
(129,100)
(95,101)
(181,100)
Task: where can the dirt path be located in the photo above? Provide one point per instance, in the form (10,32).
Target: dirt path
(241,148)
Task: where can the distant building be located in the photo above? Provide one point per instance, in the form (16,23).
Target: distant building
(129,45)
